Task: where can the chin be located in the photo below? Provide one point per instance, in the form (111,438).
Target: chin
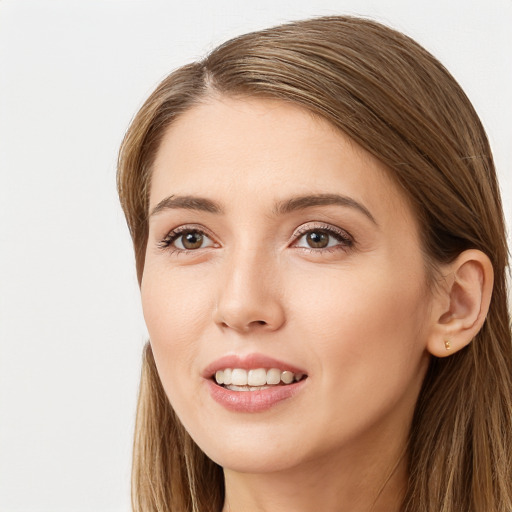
(250,449)
(254,460)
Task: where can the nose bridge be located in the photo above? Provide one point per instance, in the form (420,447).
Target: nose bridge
(249,296)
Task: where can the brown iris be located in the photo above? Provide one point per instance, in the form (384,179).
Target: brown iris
(317,239)
(192,240)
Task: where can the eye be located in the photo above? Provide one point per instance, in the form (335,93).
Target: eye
(324,237)
(191,240)
(318,239)
(183,239)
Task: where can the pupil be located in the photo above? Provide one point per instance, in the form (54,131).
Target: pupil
(192,240)
(317,239)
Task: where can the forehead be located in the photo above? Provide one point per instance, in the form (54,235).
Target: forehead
(244,151)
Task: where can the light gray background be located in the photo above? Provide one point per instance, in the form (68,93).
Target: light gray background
(72,74)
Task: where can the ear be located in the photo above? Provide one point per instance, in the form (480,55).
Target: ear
(461,304)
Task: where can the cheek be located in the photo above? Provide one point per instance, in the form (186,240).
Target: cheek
(175,310)
(366,327)
(173,301)
(360,299)
(366,344)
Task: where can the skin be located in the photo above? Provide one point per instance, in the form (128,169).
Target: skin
(356,315)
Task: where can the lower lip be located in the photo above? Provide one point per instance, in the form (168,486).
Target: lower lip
(253,401)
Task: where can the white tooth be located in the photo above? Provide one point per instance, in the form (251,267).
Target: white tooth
(232,387)
(298,376)
(238,388)
(219,377)
(287,377)
(239,377)
(257,377)
(228,372)
(273,376)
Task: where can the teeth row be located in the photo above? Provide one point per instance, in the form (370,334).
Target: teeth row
(256,377)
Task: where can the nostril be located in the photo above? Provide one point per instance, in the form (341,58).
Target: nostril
(255,322)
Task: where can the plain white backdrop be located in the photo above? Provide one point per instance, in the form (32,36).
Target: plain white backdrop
(72,75)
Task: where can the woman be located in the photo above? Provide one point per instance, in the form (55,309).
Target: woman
(321,253)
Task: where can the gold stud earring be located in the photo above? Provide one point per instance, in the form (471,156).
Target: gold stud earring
(447,344)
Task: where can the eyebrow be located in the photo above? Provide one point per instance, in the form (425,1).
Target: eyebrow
(281,208)
(311,200)
(187,203)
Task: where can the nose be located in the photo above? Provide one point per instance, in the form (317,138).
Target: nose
(249,295)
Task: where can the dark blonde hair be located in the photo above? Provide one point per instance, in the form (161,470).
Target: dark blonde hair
(399,103)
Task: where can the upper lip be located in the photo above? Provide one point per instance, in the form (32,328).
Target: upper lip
(248,362)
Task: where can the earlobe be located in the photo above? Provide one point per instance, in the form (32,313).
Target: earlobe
(461,304)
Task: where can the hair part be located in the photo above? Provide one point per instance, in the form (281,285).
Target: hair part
(401,105)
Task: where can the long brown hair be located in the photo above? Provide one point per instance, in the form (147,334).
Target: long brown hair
(399,103)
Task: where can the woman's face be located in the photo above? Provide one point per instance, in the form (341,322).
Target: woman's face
(281,250)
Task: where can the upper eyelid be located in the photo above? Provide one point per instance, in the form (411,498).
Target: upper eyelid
(311,226)
(178,230)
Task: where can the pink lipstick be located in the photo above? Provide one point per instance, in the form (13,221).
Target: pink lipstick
(252,383)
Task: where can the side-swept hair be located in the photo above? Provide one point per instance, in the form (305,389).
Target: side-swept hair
(398,102)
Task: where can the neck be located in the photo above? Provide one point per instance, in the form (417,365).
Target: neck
(330,484)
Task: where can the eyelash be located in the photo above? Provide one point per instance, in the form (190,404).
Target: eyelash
(345,241)
(175,234)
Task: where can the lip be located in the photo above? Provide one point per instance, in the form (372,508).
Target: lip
(251,401)
(248,362)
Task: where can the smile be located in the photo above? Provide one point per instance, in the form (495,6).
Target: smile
(240,379)
(253,383)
